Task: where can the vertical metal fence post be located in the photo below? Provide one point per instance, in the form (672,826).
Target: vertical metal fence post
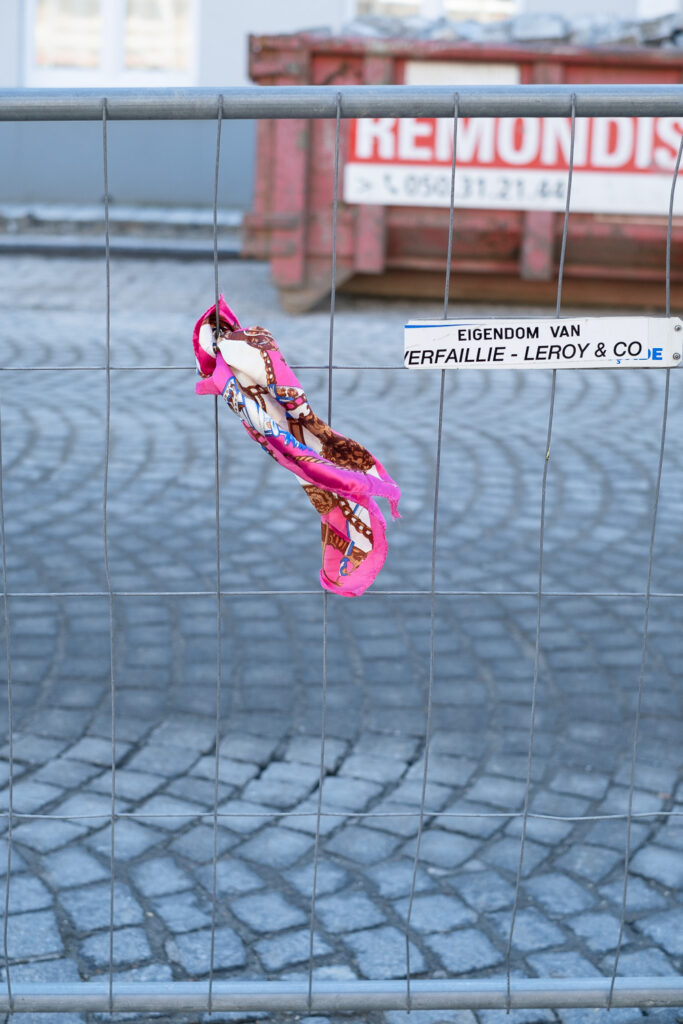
(10,723)
(105,535)
(323,722)
(648,590)
(219,609)
(432,596)
(539,598)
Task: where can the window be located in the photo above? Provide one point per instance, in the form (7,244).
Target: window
(92,43)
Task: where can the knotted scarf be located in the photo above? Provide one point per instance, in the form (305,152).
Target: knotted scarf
(340,476)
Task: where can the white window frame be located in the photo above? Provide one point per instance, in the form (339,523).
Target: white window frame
(112,71)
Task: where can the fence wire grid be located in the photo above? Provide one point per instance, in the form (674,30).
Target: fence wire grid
(313,995)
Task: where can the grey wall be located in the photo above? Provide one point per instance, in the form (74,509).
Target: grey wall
(149,162)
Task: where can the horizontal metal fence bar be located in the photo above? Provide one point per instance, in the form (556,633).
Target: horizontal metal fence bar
(191,815)
(339,996)
(308,101)
(303,592)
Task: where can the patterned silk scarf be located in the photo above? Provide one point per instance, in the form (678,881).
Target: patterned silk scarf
(340,477)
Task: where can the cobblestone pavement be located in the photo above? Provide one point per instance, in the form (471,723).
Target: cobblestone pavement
(607,428)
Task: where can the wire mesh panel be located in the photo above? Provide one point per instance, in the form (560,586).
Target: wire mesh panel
(225,791)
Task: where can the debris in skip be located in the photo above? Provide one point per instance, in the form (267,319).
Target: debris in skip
(340,477)
(584,342)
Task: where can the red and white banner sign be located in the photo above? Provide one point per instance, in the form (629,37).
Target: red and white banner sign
(621,164)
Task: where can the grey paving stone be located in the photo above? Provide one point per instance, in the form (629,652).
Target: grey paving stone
(394,878)
(129,785)
(346,794)
(436,912)
(443,849)
(641,963)
(559,894)
(149,972)
(507,794)
(613,833)
(587,784)
(48,1018)
(192,951)
(544,801)
(18,862)
(409,792)
(180,912)
(305,818)
(381,953)
(658,778)
(617,1015)
(377,769)
(33,749)
(666,929)
(232,877)
(306,750)
(402,748)
(532,930)
(275,846)
(599,931)
(96,751)
(167,761)
(267,912)
(517,1016)
(66,773)
(197,843)
(330,878)
(641,896)
(45,971)
(88,907)
(131,839)
(197,735)
(31,796)
(160,876)
(451,771)
(430,1017)
(565,964)
(504,854)
(244,816)
(241,746)
(43,835)
(232,773)
(543,830)
(89,809)
(289,949)
(483,827)
(362,845)
(659,864)
(400,819)
(484,890)
(591,862)
(348,911)
(464,951)
(27,893)
(32,935)
(180,812)
(130,947)
(282,784)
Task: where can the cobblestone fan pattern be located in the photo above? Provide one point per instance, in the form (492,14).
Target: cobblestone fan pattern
(600,489)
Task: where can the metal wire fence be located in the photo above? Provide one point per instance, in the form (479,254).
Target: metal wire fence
(214,994)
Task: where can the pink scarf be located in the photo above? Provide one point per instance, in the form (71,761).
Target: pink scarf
(340,477)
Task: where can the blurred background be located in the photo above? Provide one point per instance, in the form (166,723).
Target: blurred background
(276,179)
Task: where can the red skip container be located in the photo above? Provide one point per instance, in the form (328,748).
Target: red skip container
(511,177)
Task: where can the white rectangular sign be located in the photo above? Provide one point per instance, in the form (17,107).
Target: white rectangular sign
(622,165)
(543,343)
